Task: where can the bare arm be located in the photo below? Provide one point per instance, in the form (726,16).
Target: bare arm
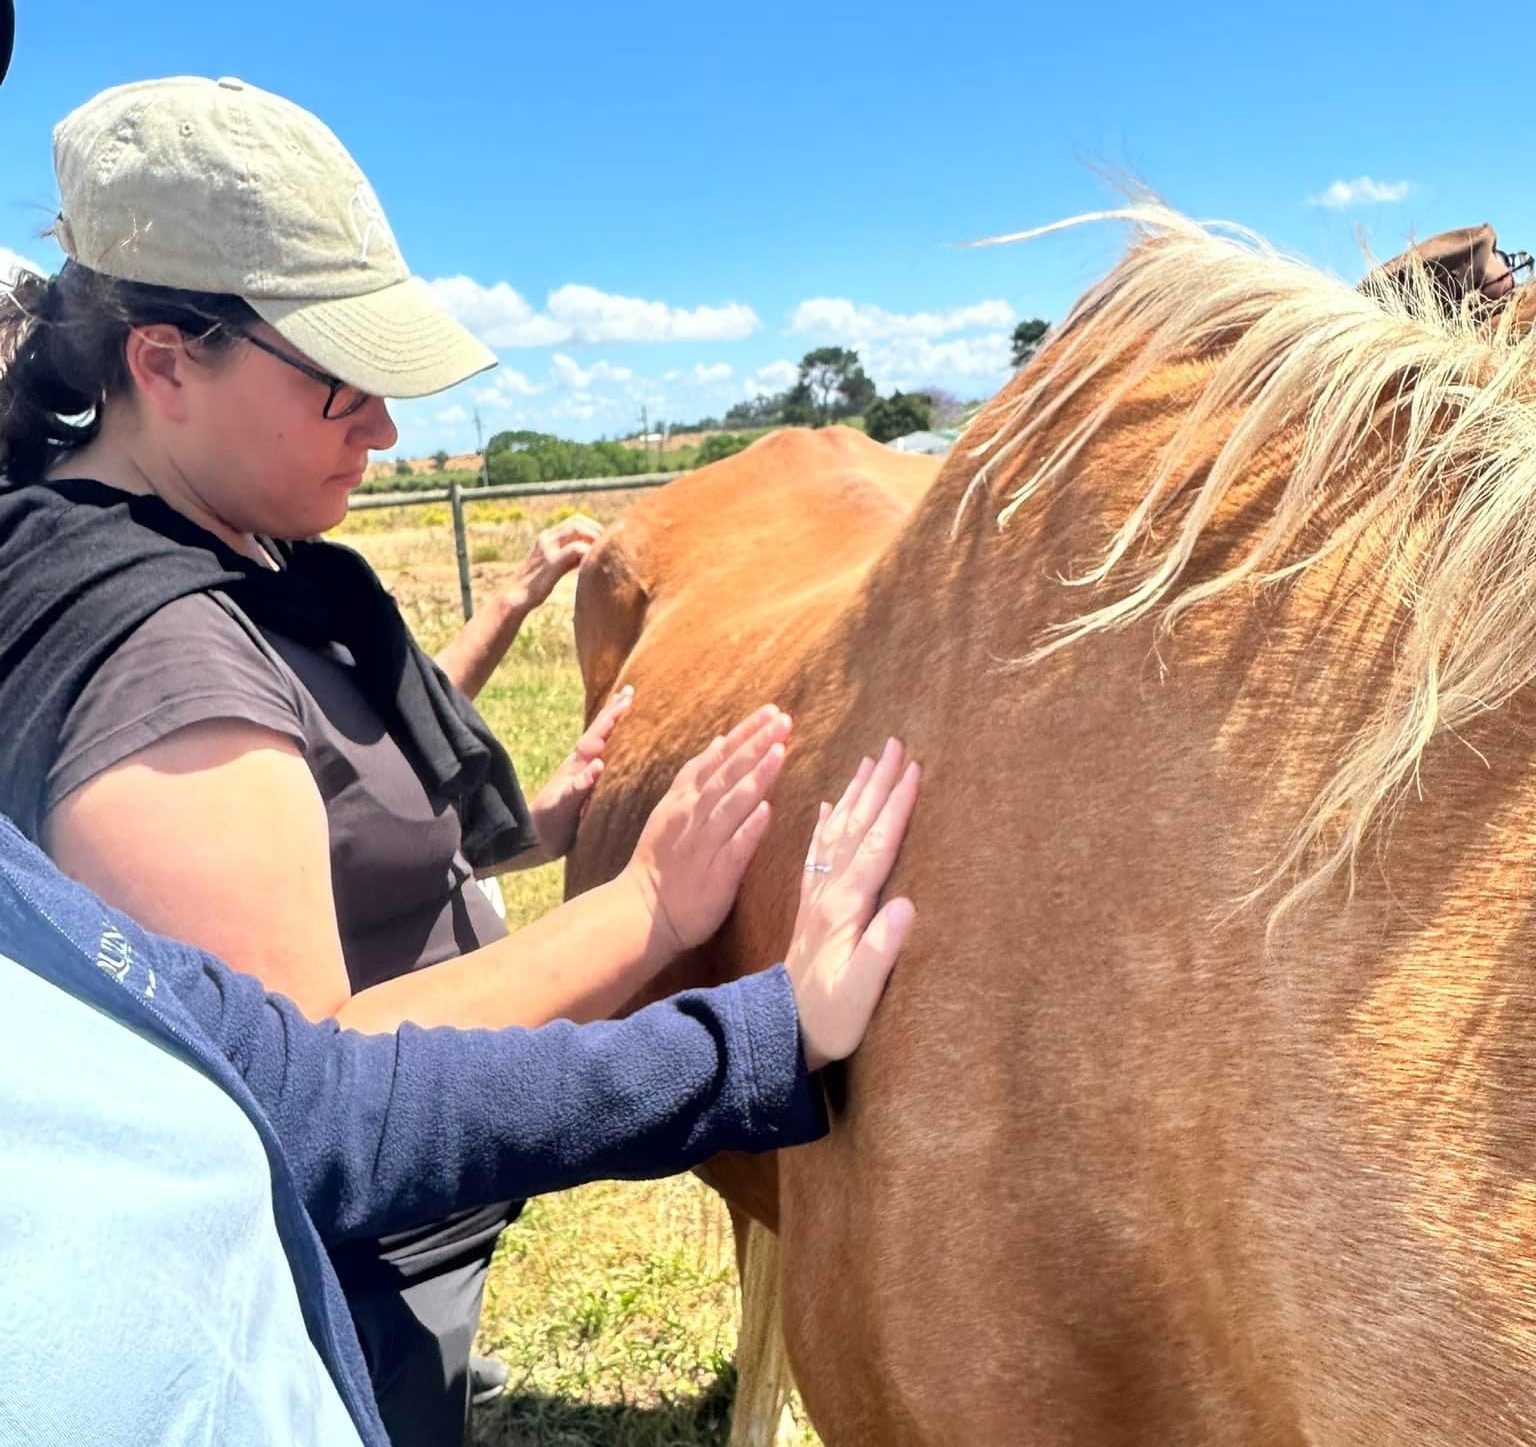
(217,835)
(472,654)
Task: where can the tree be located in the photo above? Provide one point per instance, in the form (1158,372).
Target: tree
(832,384)
(764,411)
(896,415)
(1026,339)
(519,441)
(946,408)
(403,468)
(506,468)
(721,445)
(439,460)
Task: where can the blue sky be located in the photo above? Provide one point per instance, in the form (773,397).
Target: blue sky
(667,206)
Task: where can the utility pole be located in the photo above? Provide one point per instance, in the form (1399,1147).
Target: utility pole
(645,434)
(485,467)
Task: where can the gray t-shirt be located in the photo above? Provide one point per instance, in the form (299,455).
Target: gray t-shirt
(405,894)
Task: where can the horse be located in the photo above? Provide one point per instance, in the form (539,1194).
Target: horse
(1201,1106)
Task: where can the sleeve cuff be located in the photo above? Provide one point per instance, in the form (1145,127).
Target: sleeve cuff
(787,1108)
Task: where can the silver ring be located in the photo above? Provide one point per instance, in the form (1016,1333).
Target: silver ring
(814,868)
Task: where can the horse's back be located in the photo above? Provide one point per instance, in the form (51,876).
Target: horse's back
(1114,1166)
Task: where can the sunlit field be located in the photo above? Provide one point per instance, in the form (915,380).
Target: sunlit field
(614,1305)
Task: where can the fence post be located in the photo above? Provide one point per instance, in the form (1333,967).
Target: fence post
(461,545)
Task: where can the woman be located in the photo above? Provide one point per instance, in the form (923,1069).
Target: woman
(225,730)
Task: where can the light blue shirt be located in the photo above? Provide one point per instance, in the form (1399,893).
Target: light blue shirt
(144,1293)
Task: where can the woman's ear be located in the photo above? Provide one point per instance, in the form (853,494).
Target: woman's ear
(158,362)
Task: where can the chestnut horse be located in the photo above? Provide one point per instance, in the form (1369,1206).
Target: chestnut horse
(1201,1108)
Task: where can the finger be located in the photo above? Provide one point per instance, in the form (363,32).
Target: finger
(592,741)
(870,967)
(808,879)
(738,850)
(580,525)
(832,832)
(738,764)
(871,798)
(743,748)
(701,764)
(871,863)
(569,556)
(749,726)
(746,793)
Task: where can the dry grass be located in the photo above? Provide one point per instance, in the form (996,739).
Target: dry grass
(614,1305)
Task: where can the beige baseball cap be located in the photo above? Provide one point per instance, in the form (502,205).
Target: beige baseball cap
(217,186)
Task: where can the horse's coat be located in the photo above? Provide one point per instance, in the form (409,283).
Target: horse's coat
(1115,1166)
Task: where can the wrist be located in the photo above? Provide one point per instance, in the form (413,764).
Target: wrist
(513,604)
(638,886)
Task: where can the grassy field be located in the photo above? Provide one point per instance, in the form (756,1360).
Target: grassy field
(614,1305)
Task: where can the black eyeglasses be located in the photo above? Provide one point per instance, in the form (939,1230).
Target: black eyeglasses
(1514,262)
(344,398)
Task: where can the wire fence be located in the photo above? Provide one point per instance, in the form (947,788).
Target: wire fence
(456,496)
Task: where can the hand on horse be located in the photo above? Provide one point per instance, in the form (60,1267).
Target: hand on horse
(842,950)
(555,552)
(699,839)
(557,807)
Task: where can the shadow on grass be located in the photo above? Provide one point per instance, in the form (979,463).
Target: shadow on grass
(528,1420)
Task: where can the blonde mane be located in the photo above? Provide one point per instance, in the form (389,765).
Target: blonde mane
(1403,410)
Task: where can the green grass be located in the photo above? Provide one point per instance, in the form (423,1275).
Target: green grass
(614,1305)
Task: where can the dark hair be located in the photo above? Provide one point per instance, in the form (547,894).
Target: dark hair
(62,354)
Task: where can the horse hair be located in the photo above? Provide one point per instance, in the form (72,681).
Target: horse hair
(1411,422)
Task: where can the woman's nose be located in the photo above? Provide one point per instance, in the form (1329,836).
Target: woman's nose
(374,428)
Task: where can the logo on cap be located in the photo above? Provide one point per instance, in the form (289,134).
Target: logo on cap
(367,219)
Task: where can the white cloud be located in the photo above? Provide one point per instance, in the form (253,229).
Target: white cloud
(450,416)
(590,315)
(498,314)
(917,361)
(504,385)
(839,317)
(1362,190)
(775,377)
(708,375)
(568,373)
(13,261)
(502,317)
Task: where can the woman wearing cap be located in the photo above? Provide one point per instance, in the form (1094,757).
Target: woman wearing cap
(226,730)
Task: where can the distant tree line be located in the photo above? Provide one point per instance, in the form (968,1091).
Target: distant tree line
(523,457)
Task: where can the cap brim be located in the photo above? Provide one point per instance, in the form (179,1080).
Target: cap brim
(7,35)
(396,342)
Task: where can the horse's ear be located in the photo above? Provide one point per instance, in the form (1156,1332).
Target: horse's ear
(1460,263)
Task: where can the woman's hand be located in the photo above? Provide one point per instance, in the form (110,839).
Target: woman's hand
(472,654)
(555,552)
(842,950)
(557,807)
(697,843)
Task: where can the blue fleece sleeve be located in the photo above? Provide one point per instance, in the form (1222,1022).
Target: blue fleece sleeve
(382,1132)
(387,1131)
